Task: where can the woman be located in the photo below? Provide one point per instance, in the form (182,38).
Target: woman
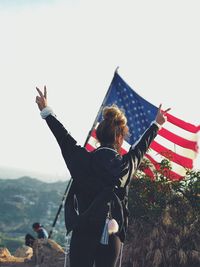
(100,186)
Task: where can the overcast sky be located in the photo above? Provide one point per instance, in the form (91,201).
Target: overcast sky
(73,47)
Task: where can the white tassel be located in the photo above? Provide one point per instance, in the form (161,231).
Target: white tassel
(111,227)
(105,235)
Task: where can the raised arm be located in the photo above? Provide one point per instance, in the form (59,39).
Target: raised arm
(64,139)
(75,156)
(138,149)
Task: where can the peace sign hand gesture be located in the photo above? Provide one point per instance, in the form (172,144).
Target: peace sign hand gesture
(160,117)
(41,100)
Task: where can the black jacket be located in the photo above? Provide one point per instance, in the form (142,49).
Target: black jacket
(93,172)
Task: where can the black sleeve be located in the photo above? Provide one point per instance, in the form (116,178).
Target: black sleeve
(138,150)
(64,139)
(75,156)
(66,142)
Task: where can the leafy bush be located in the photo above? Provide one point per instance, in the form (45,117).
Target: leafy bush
(149,197)
(164,220)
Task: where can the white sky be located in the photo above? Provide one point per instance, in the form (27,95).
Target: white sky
(73,47)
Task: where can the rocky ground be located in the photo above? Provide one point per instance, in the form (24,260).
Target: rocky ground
(45,253)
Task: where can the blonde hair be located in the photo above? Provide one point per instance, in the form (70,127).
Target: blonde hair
(113,125)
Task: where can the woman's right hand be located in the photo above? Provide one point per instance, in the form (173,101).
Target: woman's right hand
(41,100)
(161,115)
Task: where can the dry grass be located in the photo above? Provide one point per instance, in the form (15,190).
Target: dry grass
(166,243)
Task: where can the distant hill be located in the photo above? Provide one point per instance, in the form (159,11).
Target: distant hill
(27,200)
(14,173)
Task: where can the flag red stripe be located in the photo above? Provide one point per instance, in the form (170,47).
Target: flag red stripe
(182,124)
(89,147)
(93,134)
(122,151)
(181,160)
(178,140)
(169,173)
(172,175)
(171,137)
(148,172)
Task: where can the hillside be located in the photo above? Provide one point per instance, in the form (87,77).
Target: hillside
(27,200)
(163,223)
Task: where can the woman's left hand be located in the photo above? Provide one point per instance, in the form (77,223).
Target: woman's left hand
(160,117)
(41,100)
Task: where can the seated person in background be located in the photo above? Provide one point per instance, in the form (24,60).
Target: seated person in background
(41,233)
(39,229)
(29,240)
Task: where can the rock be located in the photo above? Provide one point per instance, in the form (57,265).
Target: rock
(46,253)
(4,253)
(24,252)
(5,256)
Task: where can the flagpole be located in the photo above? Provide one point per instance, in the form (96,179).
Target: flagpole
(60,207)
(101,107)
(71,179)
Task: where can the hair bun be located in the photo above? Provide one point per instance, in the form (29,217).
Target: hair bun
(114,115)
(113,125)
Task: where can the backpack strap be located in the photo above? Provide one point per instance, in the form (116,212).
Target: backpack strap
(130,172)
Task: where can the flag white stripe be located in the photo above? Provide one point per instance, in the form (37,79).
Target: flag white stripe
(175,167)
(93,142)
(175,148)
(157,157)
(180,132)
(169,145)
(126,146)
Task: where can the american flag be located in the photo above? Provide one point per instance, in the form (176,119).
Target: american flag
(176,140)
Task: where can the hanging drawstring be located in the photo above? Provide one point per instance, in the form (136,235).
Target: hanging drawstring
(121,252)
(105,234)
(65,263)
(111,227)
(66,249)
